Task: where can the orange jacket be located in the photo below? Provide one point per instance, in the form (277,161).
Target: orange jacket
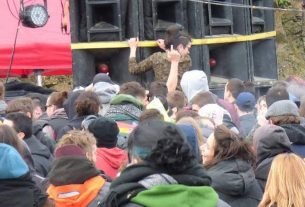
(76,195)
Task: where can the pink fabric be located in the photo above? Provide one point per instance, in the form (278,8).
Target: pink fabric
(45,48)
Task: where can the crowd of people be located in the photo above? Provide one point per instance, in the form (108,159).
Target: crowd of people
(175,144)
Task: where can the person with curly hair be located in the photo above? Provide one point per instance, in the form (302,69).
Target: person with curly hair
(163,171)
(87,103)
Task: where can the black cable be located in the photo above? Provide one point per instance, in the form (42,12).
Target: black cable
(16,10)
(9,8)
(13,52)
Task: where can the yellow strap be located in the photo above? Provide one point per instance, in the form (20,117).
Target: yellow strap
(204,41)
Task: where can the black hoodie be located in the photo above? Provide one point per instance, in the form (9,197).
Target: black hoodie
(234,180)
(127,184)
(41,155)
(269,141)
(296,134)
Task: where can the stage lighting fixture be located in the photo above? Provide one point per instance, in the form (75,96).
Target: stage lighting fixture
(34,16)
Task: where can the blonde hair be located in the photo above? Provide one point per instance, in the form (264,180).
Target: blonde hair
(83,139)
(286,182)
(191,121)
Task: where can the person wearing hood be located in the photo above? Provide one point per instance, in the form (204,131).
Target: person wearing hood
(105,89)
(163,171)
(41,154)
(73,179)
(57,115)
(268,141)
(128,105)
(285,114)
(126,109)
(229,161)
(109,158)
(192,139)
(194,82)
(16,185)
(87,103)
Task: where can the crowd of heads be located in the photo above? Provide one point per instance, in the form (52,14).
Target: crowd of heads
(259,137)
(117,145)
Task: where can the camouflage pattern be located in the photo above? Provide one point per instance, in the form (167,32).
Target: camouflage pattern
(161,66)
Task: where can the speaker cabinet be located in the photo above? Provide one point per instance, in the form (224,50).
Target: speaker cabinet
(104,20)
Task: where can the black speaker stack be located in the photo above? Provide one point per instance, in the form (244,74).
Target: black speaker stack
(119,20)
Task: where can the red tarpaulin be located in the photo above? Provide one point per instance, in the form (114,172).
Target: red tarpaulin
(45,48)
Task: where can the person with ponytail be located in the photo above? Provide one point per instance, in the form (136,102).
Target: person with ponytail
(229,161)
(163,171)
(55,110)
(168,66)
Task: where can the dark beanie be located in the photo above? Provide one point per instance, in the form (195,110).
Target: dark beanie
(105,131)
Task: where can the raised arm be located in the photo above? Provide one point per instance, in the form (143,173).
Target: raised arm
(172,80)
(133,66)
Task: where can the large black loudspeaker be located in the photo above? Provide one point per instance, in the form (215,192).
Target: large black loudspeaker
(197,27)
(116,20)
(263,51)
(220,18)
(101,20)
(104,21)
(166,13)
(228,60)
(155,16)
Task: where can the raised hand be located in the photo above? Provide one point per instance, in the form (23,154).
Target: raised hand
(133,42)
(173,55)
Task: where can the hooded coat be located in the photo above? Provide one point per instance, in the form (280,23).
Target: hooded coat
(140,185)
(110,160)
(193,82)
(296,134)
(269,141)
(16,185)
(234,181)
(192,139)
(105,91)
(126,111)
(41,155)
(125,108)
(76,182)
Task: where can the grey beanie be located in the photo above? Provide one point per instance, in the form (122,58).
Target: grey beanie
(282,108)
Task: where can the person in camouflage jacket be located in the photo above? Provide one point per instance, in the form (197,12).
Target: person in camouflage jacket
(176,56)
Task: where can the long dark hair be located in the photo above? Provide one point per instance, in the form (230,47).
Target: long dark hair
(229,145)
